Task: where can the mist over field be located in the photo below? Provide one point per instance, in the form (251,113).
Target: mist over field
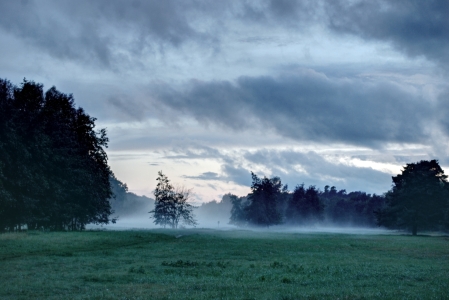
(136,223)
(216,215)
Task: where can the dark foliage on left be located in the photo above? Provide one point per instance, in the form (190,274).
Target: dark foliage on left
(53,168)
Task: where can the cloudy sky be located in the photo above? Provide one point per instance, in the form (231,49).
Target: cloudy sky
(322,92)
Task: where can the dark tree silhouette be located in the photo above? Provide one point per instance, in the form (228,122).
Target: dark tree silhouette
(53,169)
(304,206)
(354,208)
(271,203)
(418,199)
(263,208)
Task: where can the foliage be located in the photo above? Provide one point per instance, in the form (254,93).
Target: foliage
(238,211)
(304,206)
(264,201)
(125,203)
(163,202)
(354,208)
(171,204)
(53,169)
(419,198)
(182,210)
(210,264)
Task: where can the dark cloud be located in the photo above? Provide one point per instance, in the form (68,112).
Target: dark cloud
(205,176)
(307,106)
(92,31)
(236,173)
(127,107)
(193,151)
(443,110)
(413,27)
(61,34)
(107,32)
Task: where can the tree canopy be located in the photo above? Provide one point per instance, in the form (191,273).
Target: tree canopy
(418,199)
(171,204)
(264,207)
(53,168)
(304,205)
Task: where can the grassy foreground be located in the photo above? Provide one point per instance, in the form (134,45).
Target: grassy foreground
(208,264)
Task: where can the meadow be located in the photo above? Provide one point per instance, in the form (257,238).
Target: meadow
(212,264)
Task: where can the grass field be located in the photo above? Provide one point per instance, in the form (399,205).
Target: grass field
(209,264)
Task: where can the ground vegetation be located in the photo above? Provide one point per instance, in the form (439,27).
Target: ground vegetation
(211,264)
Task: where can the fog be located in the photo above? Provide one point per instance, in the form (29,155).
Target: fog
(143,222)
(132,213)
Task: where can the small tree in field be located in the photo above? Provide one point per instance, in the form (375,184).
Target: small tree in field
(170,205)
(163,202)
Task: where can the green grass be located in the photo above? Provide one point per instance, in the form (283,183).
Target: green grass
(208,264)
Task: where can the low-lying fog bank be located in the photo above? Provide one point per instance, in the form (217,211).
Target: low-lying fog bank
(139,222)
(333,229)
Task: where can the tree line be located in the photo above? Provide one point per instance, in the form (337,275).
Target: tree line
(53,167)
(126,204)
(271,203)
(419,199)
(54,175)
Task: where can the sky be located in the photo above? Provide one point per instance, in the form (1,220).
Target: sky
(322,92)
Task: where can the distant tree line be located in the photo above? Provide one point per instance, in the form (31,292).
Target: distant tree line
(215,213)
(419,199)
(271,203)
(127,204)
(53,168)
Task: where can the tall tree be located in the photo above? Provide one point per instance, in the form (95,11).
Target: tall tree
(418,199)
(263,208)
(53,168)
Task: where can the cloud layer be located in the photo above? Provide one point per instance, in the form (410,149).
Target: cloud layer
(337,92)
(308,106)
(106,32)
(417,28)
